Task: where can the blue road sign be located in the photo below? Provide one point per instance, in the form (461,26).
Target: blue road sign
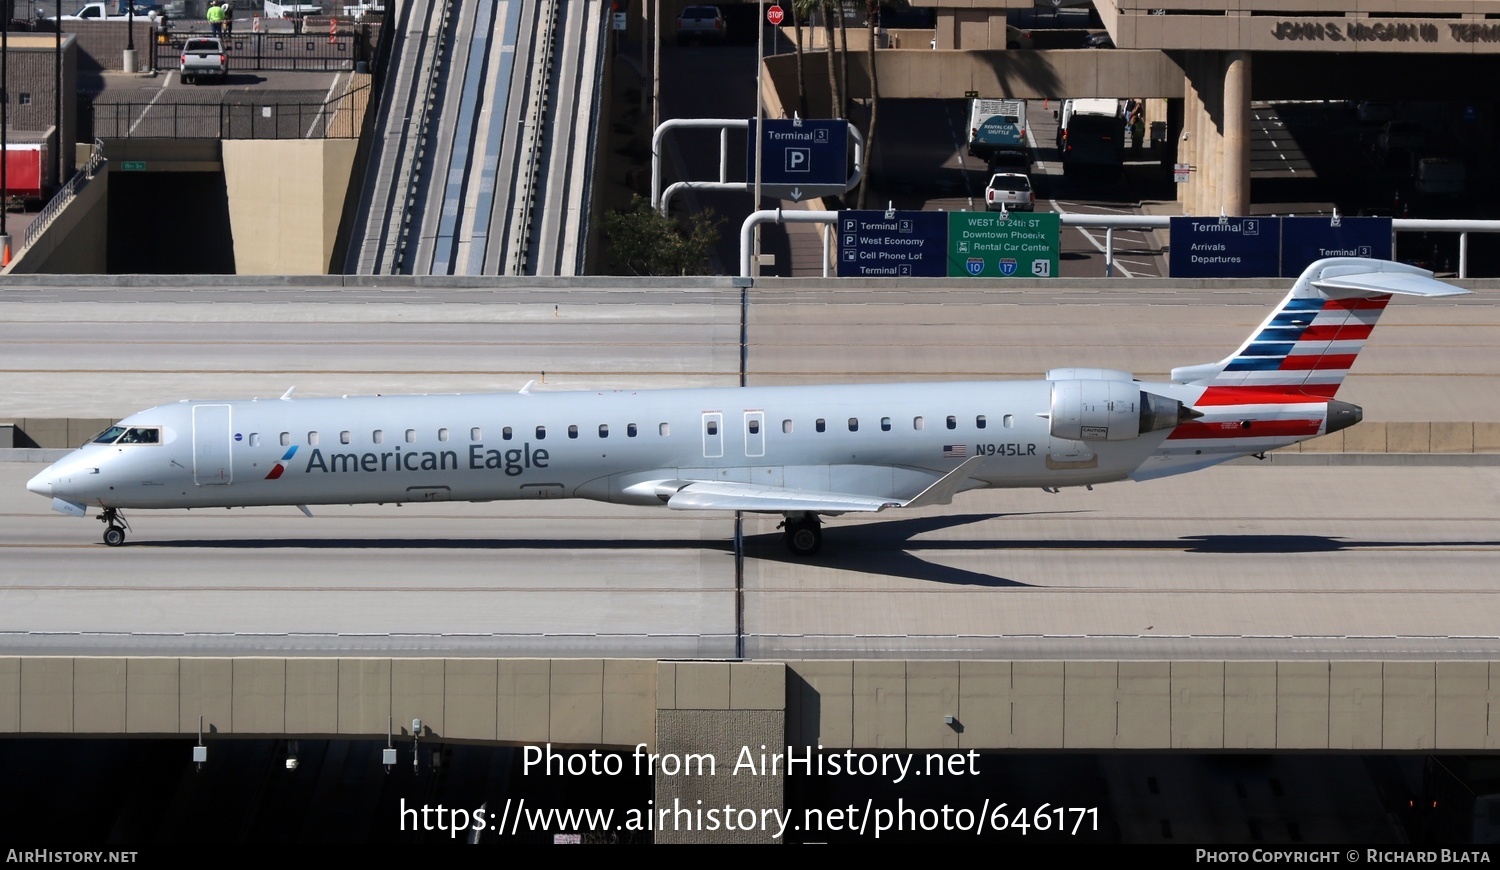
(899,244)
(1305,239)
(1225,247)
(803,159)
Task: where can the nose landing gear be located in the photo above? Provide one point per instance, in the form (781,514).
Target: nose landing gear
(114,527)
(804,534)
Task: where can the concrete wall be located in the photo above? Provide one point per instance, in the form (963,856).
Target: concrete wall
(74,244)
(720,708)
(285,201)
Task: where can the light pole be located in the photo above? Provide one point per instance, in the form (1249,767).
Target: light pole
(130,36)
(57,103)
(4,136)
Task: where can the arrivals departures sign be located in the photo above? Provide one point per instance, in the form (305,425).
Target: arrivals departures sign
(936,244)
(1271,247)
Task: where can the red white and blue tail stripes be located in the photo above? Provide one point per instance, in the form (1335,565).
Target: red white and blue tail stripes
(1300,354)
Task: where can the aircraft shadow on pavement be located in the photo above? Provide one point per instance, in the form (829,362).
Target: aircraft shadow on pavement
(884,548)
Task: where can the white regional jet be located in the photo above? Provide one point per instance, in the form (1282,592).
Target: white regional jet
(804,452)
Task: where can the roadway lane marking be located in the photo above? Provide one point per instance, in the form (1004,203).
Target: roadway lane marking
(327,99)
(1057,207)
(159,91)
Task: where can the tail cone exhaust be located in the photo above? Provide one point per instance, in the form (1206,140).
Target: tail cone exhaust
(1342,415)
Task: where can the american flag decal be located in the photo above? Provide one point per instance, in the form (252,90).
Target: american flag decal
(955,451)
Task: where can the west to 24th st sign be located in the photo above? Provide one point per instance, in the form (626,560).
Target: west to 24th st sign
(935,244)
(1017,245)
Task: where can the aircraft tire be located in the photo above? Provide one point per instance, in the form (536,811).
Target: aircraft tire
(114,536)
(803,538)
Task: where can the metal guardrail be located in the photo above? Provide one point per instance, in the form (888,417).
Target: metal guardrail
(234,116)
(1110,223)
(64,195)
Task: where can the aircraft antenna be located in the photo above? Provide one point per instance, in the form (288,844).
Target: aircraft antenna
(287,396)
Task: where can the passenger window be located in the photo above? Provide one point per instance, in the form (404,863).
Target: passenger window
(820,424)
(377,436)
(411,436)
(885,424)
(476,434)
(754,427)
(952,422)
(573,431)
(344,437)
(663,429)
(917,422)
(442,434)
(505,434)
(1008,421)
(312,439)
(286,439)
(979,422)
(853,424)
(254,439)
(541,433)
(713,427)
(630,430)
(603,430)
(786,426)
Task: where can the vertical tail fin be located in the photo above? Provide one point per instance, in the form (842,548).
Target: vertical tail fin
(1303,350)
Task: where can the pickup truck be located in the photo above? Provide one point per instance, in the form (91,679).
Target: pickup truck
(99,12)
(291,10)
(203,56)
(704,23)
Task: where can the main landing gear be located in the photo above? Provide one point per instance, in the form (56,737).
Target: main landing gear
(804,534)
(114,527)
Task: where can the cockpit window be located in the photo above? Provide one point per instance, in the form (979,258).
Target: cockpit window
(109,435)
(141,435)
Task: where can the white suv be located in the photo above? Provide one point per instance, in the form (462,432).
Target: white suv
(1012,190)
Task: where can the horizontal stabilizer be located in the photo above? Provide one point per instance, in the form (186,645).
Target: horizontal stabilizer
(1373,283)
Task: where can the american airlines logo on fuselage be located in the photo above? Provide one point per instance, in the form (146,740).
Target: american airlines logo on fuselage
(513,461)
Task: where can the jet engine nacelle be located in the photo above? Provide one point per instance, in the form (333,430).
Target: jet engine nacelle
(1110,410)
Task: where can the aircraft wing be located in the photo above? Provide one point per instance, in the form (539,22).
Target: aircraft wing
(723,496)
(729,496)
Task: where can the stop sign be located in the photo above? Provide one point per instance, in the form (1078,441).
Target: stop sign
(774,15)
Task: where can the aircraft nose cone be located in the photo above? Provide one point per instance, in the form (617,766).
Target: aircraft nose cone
(41,484)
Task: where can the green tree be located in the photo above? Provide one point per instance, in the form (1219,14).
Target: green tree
(642,241)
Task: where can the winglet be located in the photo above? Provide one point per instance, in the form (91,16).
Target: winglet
(943,489)
(526,390)
(287,396)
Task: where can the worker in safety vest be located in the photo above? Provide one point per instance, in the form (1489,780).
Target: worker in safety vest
(216,18)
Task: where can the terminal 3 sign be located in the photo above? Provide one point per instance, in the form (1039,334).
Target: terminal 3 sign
(1270,247)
